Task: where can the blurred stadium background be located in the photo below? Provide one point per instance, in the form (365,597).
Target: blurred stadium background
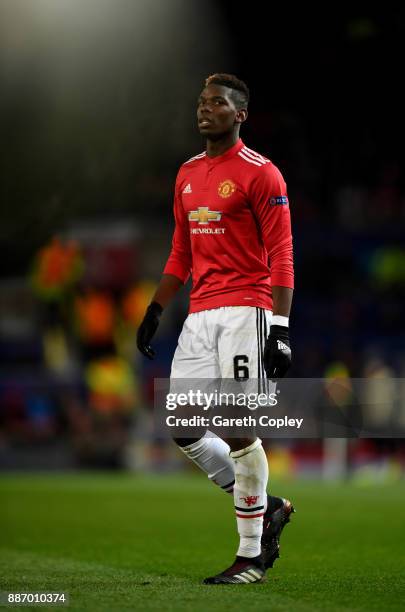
(97,112)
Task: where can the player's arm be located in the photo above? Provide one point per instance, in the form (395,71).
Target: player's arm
(167,288)
(175,275)
(282,300)
(271,206)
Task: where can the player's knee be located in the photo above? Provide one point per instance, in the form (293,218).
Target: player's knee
(185,441)
(237,444)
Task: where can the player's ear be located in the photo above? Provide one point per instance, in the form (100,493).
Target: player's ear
(241,115)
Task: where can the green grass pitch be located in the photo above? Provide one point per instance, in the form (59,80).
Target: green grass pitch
(122,542)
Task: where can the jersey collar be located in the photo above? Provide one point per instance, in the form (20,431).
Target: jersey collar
(227,155)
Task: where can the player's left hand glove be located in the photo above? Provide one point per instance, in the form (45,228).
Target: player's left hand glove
(277,352)
(147,329)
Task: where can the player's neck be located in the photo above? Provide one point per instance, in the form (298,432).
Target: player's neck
(218,147)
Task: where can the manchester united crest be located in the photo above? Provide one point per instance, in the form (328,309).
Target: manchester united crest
(226,188)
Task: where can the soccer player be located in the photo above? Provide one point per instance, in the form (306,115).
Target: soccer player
(233,234)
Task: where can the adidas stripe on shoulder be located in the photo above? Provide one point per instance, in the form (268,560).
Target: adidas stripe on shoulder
(252,157)
(195,158)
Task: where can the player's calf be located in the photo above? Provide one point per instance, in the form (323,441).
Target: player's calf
(211,454)
(250,498)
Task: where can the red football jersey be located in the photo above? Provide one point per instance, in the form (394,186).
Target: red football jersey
(233,229)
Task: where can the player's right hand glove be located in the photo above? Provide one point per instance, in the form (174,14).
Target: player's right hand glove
(277,352)
(147,329)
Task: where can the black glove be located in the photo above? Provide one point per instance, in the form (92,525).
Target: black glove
(147,329)
(277,352)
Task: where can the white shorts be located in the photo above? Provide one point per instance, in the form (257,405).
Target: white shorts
(223,343)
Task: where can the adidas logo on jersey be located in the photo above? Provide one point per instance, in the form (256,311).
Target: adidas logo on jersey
(281,346)
(187,189)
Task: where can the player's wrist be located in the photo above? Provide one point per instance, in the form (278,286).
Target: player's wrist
(280,320)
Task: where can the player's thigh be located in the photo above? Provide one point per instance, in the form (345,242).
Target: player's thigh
(241,343)
(195,361)
(195,372)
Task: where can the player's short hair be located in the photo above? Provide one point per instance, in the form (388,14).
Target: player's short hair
(240,91)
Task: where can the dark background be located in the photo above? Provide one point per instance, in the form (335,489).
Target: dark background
(97,111)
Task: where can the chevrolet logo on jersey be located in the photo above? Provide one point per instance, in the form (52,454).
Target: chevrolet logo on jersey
(204,215)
